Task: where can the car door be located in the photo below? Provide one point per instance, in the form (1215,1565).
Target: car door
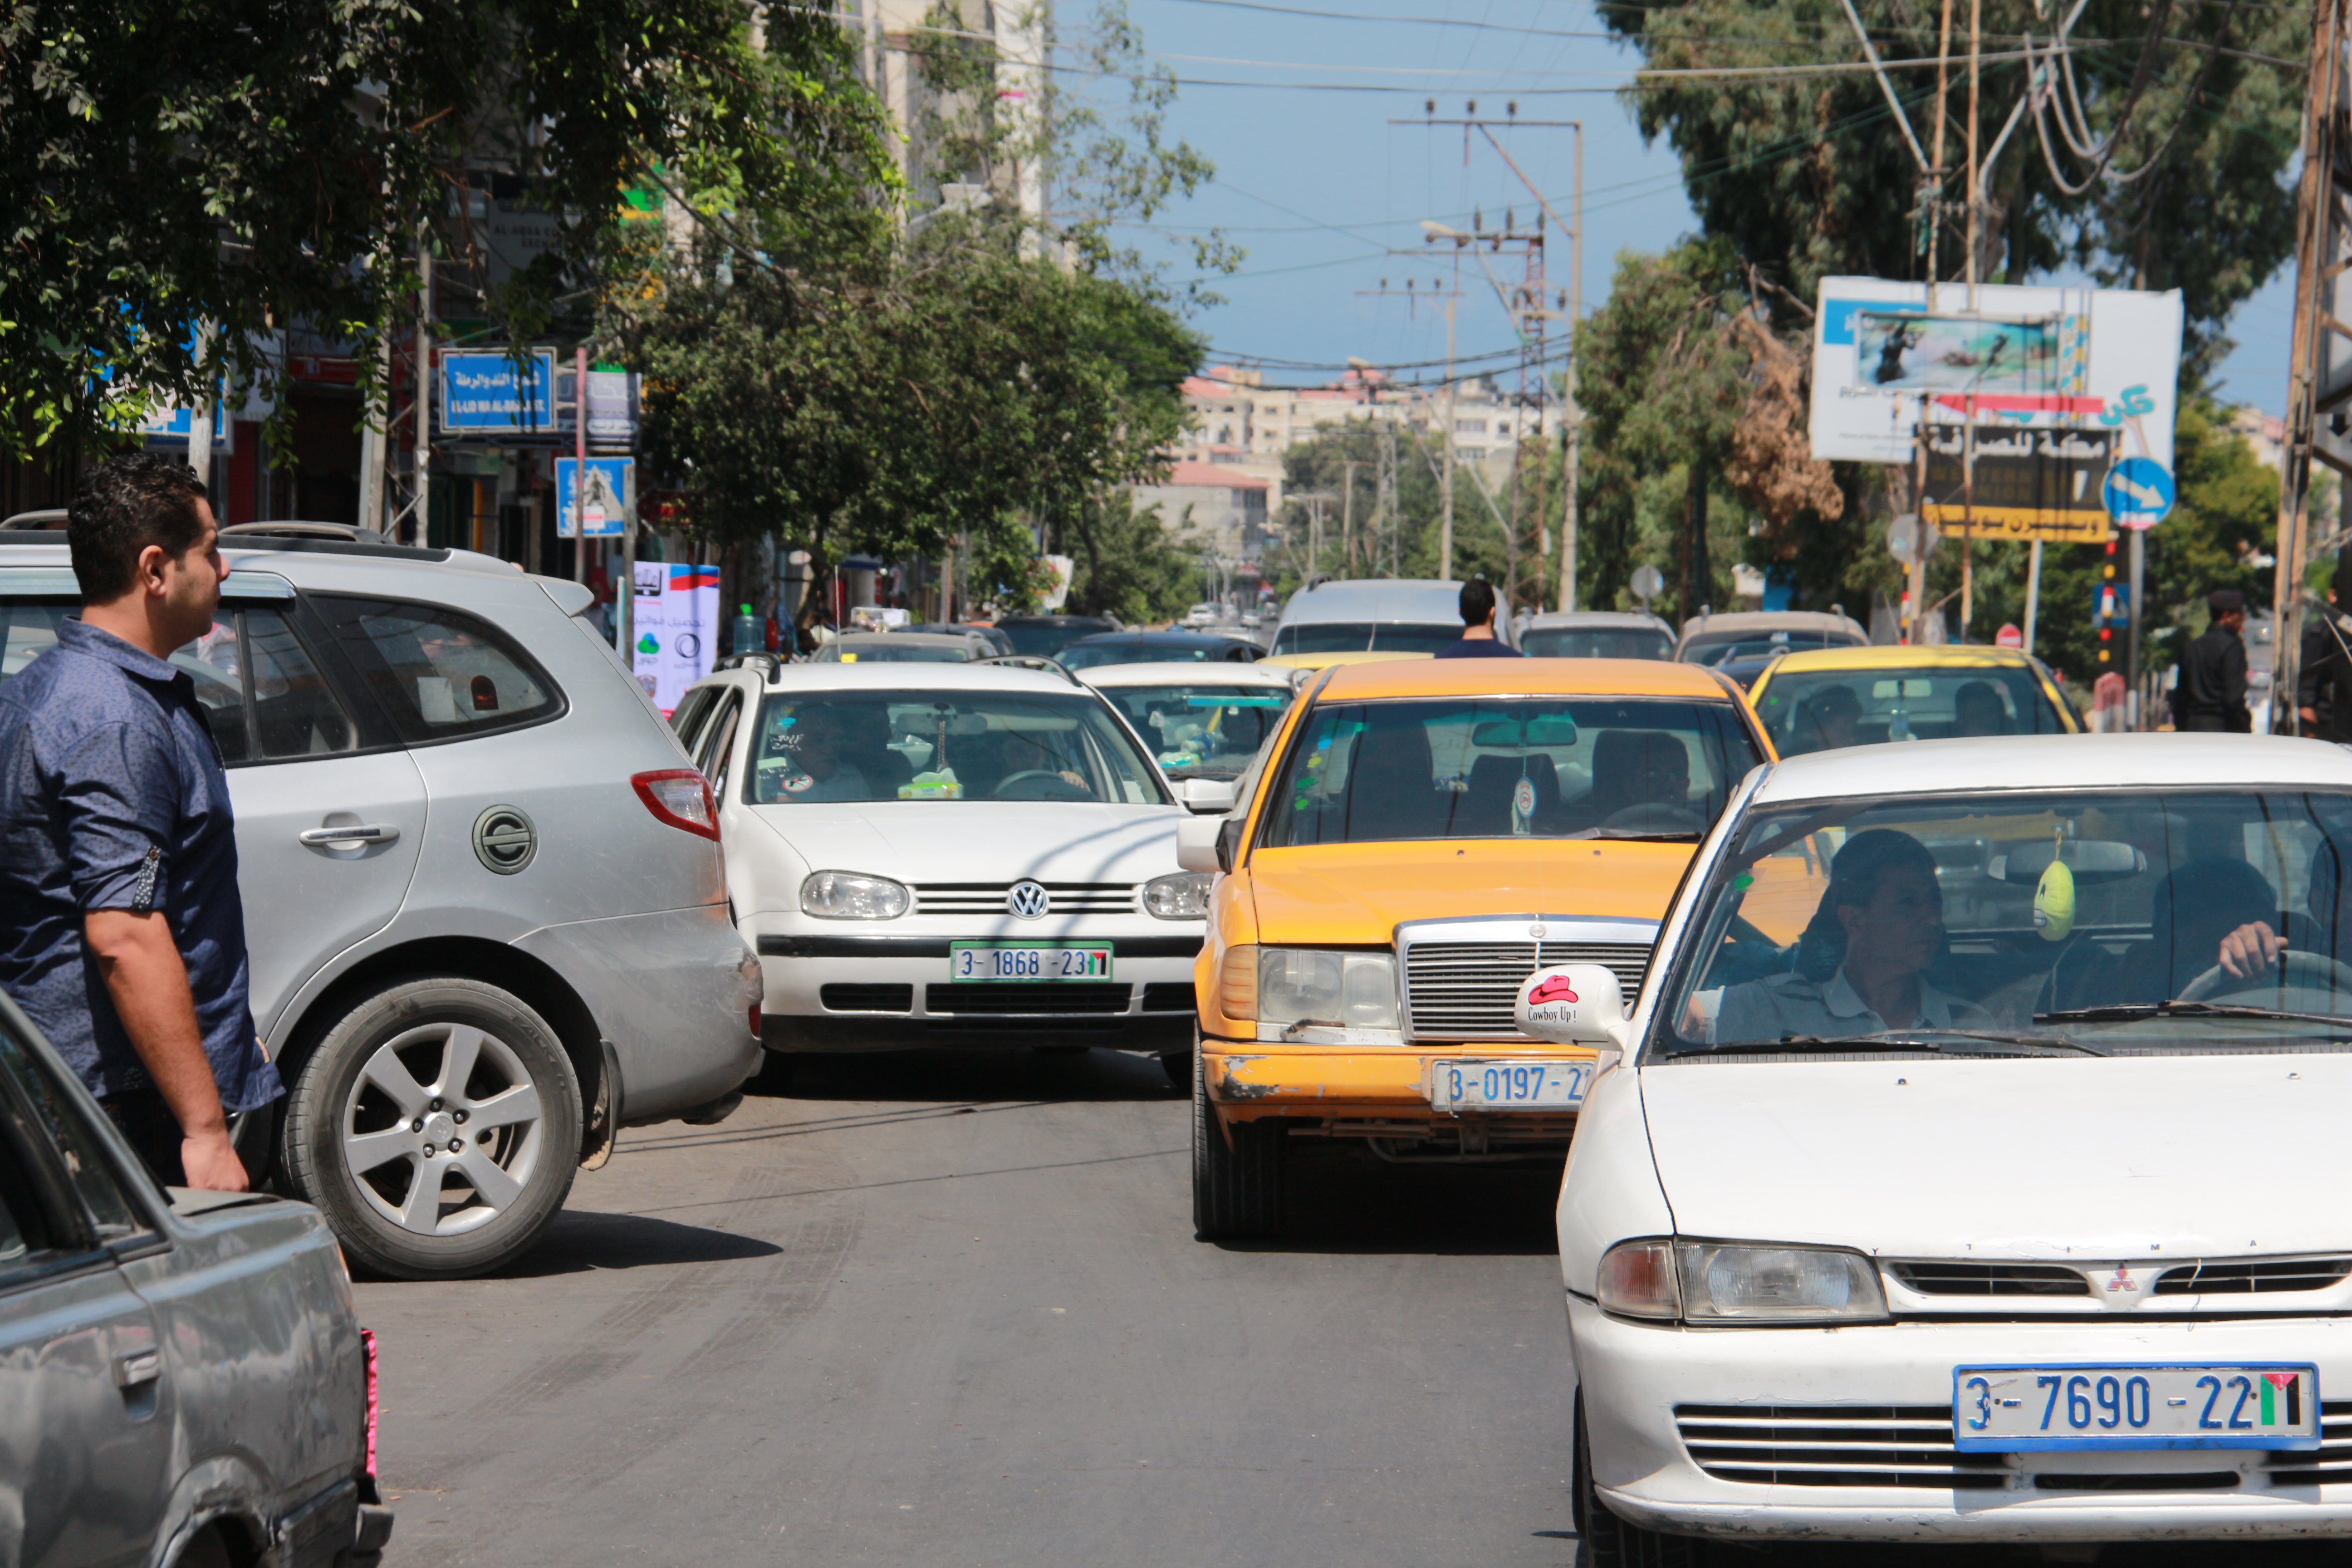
(85,1409)
(329,807)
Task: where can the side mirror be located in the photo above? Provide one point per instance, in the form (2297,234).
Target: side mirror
(1575,1004)
(1210,797)
(1196,843)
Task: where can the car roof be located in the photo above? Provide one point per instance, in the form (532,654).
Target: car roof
(978,675)
(1549,619)
(429,574)
(2020,762)
(1415,600)
(908,639)
(1189,673)
(1348,656)
(1148,639)
(1548,676)
(1898,656)
(1055,621)
(1748,622)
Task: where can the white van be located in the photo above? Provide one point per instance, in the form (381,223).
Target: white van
(1384,615)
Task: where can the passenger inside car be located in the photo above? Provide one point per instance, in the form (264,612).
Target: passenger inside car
(1978,710)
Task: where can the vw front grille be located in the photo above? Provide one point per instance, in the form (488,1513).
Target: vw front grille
(989,897)
(1835,1446)
(1466,991)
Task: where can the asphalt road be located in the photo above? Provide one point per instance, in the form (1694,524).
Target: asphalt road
(947,1309)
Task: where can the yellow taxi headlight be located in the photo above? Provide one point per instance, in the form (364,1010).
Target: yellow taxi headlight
(1237,983)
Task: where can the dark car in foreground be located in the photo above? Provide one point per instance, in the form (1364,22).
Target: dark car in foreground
(182,1377)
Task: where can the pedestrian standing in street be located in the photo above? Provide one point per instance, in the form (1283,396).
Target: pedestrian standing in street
(1478,639)
(2323,697)
(121,932)
(2212,695)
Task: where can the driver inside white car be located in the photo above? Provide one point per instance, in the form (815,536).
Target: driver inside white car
(814,744)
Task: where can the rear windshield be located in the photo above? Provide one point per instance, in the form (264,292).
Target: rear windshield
(1366,636)
(1202,732)
(944,746)
(1093,656)
(1595,642)
(1824,709)
(1714,648)
(1508,767)
(1045,638)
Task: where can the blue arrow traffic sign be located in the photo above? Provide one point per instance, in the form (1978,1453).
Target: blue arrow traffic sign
(2138,492)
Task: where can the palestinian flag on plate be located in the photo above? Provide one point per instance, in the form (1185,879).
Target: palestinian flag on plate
(2282,1398)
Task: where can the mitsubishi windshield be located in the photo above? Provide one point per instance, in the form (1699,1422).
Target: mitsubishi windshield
(2038,923)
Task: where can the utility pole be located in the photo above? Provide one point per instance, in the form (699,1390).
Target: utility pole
(1348,518)
(200,424)
(1384,491)
(580,464)
(375,441)
(1445,517)
(2319,377)
(1412,294)
(1573,420)
(420,517)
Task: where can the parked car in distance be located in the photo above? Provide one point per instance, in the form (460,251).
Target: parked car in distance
(1829,697)
(1596,634)
(1423,835)
(187,1380)
(904,648)
(1204,614)
(1373,615)
(483,892)
(1155,647)
(1763,634)
(1919,1226)
(1049,634)
(1203,726)
(958,855)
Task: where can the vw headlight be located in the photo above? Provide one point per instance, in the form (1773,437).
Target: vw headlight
(1748,1282)
(1305,987)
(1179,896)
(852,896)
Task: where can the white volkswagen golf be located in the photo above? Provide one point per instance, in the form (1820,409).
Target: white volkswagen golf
(948,854)
(1975,1168)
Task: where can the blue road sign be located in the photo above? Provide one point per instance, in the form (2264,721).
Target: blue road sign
(2110,606)
(484,391)
(609,484)
(2138,492)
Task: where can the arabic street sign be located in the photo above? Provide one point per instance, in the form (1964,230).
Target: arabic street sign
(2031,482)
(483,391)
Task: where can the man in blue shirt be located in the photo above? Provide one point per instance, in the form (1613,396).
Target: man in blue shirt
(1478,639)
(121,933)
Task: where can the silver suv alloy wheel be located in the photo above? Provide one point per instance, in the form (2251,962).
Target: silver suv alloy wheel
(436,1125)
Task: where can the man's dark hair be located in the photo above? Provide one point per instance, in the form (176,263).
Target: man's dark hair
(2225,601)
(123,506)
(1477,602)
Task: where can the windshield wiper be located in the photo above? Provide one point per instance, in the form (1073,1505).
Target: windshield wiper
(1893,1039)
(2124,1012)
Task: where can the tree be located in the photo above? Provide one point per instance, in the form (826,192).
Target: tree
(187,178)
(1144,567)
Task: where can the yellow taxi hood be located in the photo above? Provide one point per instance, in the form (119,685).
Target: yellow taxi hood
(1356,894)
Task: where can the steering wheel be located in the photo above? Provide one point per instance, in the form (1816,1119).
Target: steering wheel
(1654,817)
(1068,790)
(2320,972)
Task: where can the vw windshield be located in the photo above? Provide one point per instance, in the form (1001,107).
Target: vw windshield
(944,746)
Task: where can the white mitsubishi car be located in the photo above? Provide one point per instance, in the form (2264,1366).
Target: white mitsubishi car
(948,854)
(1975,1166)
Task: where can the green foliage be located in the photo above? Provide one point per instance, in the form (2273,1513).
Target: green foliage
(225,164)
(1131,565)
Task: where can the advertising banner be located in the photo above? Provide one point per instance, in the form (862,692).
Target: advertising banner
(612,408)
(677,629)
(167,424)
(611,491)
(2031,483)
(2081,360)
(484,391)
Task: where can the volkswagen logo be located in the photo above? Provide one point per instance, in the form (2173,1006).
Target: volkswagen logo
(504,839)
(1029,901)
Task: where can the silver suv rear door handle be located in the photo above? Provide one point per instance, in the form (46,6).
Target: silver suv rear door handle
(358,833)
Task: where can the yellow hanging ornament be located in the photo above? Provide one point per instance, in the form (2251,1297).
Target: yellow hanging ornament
(2054,897)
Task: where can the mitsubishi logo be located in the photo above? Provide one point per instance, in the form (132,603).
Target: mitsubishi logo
(1029,901)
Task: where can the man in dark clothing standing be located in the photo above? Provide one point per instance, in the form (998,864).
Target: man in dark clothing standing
(121,932)
(1478,639)
(2323,697)
(2212,695)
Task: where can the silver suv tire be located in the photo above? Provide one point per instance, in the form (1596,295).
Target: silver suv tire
(436,1126)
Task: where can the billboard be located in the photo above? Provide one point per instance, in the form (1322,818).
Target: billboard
(485,391)
(2042,483)
(2029,358)
(611,484)
(675,628)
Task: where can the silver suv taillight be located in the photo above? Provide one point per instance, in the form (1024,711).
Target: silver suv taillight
(681,798)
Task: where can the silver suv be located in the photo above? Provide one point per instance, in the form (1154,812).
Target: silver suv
(482,886)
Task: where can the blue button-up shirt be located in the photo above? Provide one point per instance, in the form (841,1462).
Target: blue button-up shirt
(112,797)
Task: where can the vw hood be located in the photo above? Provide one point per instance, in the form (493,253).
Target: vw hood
(920,841)
(2135,1157)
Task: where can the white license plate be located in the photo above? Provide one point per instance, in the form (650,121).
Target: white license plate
(1027,961)
(1508,1085)
(2022,1409)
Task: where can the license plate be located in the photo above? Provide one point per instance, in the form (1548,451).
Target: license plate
(2025,1409)
(1027,961)
(1516,1085)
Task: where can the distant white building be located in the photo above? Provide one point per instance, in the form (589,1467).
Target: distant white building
(1219,504)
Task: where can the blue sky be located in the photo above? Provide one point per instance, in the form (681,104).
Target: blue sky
(1318,186)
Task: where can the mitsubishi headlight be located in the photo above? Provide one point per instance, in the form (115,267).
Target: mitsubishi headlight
(1179,896)
(852,896)
(1729,1283)
(1303,987)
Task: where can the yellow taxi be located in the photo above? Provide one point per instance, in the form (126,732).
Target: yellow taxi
(1824,699)
(1423,836)
(1331,660)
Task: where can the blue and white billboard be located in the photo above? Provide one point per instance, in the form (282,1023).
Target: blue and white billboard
(485,391)
(607,499)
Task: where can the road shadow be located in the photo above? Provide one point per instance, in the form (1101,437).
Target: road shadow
(966,1073)
(2113,1554)
(582,1241)
(1343,1199)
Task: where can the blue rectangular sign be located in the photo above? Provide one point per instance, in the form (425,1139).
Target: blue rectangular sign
(485,391)
(609,484)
